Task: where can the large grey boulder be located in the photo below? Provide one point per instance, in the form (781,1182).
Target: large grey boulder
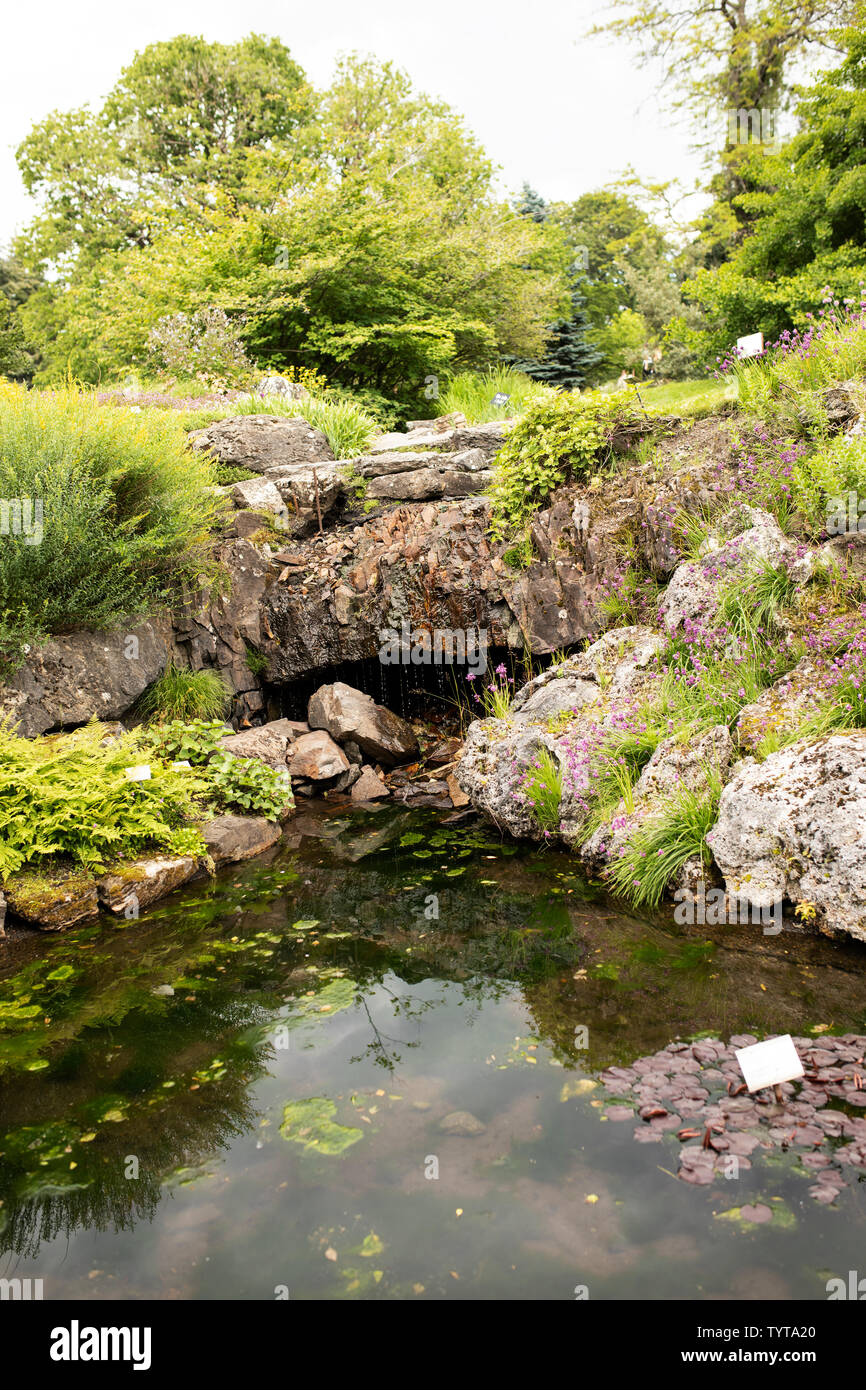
(347,713)
(268,743)
(71,679)
(261,442)
(427,484)
(794,827)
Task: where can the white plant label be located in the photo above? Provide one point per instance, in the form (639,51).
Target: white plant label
(138,774)
(769,1063)
(175,767)
(750,346)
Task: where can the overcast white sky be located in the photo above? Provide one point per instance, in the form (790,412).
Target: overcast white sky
(550,106)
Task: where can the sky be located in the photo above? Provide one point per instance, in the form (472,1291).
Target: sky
(552,107)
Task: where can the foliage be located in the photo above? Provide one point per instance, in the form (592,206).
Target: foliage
(245,784)
(368,245)
(204,344)
(542,787)
(70,796)
(180,694)
(660,847)
(232,784)
(14,360)
(120,513)
(559,437)
(191,740)
(472,393)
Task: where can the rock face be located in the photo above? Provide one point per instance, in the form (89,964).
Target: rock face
(794,827)
(258,494)
(347,713)
(262,442)
(317,757)
(73,678)
(233,838)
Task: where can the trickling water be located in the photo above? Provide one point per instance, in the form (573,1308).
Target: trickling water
(279,1050)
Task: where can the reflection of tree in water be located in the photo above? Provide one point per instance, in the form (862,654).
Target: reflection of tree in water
(378,1048)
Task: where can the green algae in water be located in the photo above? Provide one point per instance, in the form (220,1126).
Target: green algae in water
(309,1122)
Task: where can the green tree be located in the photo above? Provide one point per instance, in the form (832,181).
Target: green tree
(807,207)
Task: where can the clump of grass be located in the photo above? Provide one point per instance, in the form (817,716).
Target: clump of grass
(542,787)
(184,694)
(660,847)
(751,607)
(472,393)
(347,426)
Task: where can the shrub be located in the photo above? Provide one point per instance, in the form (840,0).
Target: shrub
(561,436)
(183,694)
(120,514)
(231,783)
(69,796)
(205,345)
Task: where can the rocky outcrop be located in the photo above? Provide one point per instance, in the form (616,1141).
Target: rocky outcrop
(347,713)
(72,679)
(262,442)
(368,787)
(692,592)
(794,827)
(561,712)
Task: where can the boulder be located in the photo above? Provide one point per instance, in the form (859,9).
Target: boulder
(279,386)
(316,756)
(260,495)
(780,708)
(347,713)
(425,484)
(232,838)
(268,743)
(368,786)
(677,766)
(71,679)
(794,827)
(51,902)
(142,881)
(262,442)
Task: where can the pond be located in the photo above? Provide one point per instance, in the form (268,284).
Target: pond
(367,1065)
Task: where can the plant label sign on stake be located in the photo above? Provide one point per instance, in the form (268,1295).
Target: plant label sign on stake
(770,1063)
(750,346)
(138,774)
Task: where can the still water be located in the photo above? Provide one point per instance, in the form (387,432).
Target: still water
(242,1095)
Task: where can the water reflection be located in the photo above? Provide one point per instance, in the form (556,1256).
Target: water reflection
(277,1052)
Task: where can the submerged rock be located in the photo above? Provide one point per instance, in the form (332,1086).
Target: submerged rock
(462,1123)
